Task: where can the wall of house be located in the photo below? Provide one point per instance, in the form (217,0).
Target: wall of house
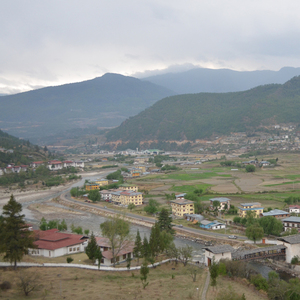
(208,255)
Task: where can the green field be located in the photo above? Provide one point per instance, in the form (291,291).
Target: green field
(194,176)
(190,188)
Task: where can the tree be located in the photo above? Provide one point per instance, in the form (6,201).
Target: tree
(216,205)
(145,249)
(28,282)
(154,240)
(173,252)
(137,250)
(62,226)
(214,272)
(254,232)
(193,271)
(152,207)
(144,271)
(94,195)
(98,257)
(91,248)
(250,168)
(185,254)
(131,206)
(86,231)
(271,225)
(165,221)
(15,238)
(117,231)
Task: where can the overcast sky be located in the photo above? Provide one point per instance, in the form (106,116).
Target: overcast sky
(51,42)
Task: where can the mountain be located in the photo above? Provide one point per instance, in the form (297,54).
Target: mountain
(104,102)
(197,116)
(200,80)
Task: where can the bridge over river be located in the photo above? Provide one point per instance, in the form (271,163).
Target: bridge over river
(259,253)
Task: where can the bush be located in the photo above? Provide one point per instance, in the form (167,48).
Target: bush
(250,168)
(69,260)
(295,260)
(259,282)
(5,285)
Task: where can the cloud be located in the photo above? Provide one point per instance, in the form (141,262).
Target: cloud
(54,42)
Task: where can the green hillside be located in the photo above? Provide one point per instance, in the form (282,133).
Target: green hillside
(21,152)
(104,102)
(197,116)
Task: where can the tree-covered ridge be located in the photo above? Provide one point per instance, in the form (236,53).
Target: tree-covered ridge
(105,101)
(197,116)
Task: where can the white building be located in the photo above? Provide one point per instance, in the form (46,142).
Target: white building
(216,253)
(52,243)
(292,244)
(291,222)
(224,202)
(294,209)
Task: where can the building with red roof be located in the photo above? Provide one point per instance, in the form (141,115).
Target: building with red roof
(52,243)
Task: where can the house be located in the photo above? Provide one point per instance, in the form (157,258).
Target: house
(102,182)
(79,164)
(68,164)
(52,243)
(141,168)
(253,206)
(224,203)
(215,253)
(128,197)
(92,186)
(194,218)
(135,172)
(213,225)
(276,213)
(116,196)
(294,209)
(107,256)
(264,163)
(291,222)
(36,164)
(106,195)
(182,206)
(180,196)
(55,165)
(130,187)
(292,244)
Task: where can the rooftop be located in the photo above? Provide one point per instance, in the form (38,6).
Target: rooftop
(292,239)
(220,199)
(219,249)
(292,219)
(275,212)
(182,201)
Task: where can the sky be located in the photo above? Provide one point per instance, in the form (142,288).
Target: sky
(53,42)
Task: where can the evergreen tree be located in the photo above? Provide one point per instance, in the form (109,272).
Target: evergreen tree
(145,249)
(15,238)
(137,250)
(165,221)
(154,241)
(91,249)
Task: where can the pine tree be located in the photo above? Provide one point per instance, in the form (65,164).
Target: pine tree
(137,250)
(154,241)
(165,221)
(15,238)
(145,249)
(91,249)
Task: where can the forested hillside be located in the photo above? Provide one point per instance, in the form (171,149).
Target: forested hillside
(104,102)
(196,116)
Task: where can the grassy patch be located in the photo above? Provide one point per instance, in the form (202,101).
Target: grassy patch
(190,188)
(195,176)
(283,183)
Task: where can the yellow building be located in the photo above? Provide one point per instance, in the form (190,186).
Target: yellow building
(92,186)
(142,168)
(102,182)
(135,172)
(129,187)
(128,197)
(254,206)
(182,206)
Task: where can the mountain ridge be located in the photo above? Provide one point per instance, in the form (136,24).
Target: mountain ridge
(197,116)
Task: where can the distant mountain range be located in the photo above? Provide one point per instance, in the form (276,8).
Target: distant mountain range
(200,80)
(104,102)
(55,113)
(202,115)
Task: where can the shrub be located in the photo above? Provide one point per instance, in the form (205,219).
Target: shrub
(69,260)
(5,285)
(295,260)
(259,282)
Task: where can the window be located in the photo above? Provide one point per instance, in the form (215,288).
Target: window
(70,249)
